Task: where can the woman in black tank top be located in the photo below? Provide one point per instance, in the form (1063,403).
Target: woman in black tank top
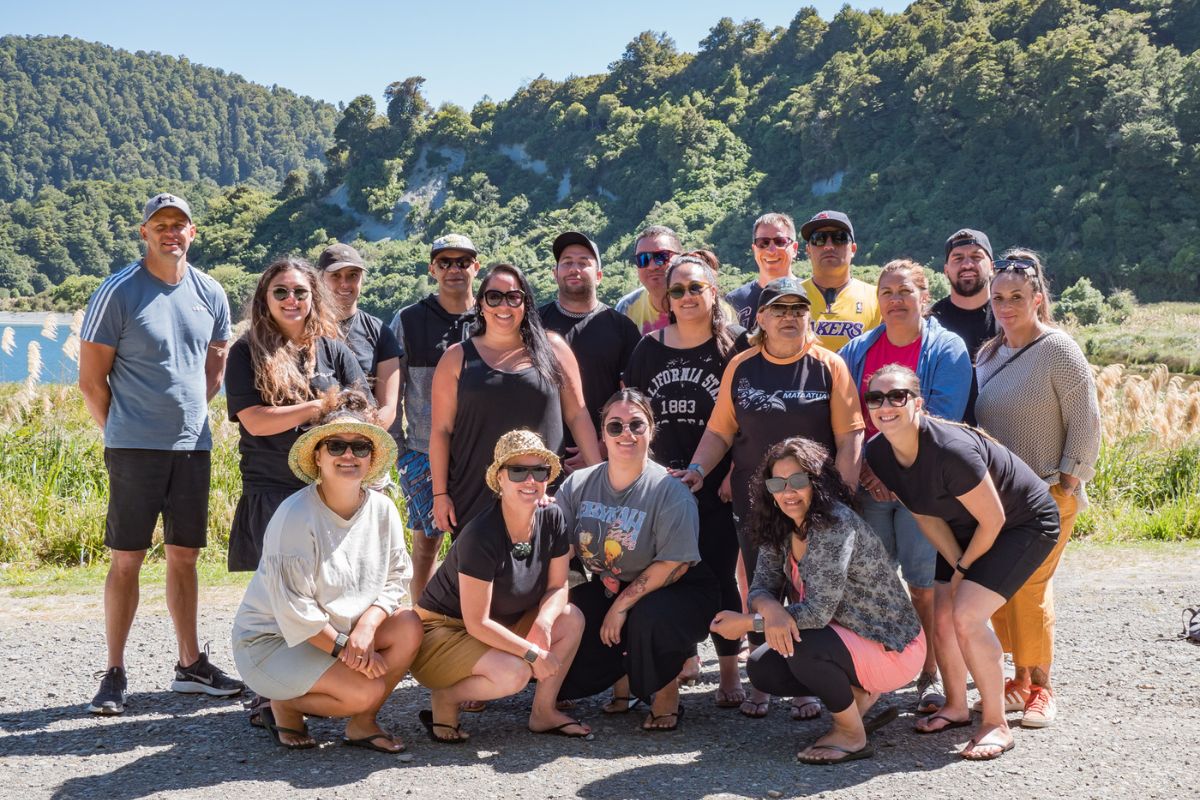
(508,375)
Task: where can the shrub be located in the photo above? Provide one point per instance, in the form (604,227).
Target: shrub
(1082,303)
(1121,304)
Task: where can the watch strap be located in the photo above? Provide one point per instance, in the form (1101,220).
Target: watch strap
(759,624)
(531,655)
(339,644)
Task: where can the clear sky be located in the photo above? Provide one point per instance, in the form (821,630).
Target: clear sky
(336,50)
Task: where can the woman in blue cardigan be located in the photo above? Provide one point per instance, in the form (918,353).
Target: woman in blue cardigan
(940,359)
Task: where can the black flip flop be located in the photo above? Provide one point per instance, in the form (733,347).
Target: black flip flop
(850,755)
(561,730)
(677,714)
(951,724)
(426,718)
(630,704)
(268,721)
(368,743)
(882,718)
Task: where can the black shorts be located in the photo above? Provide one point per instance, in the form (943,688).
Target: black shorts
(254,510)
(1015,555)
(145,483)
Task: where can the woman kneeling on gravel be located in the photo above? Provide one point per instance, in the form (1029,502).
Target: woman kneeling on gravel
(321,630)
(848,631)
(496,611)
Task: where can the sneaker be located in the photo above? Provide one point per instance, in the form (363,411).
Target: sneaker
(110,700)
(930,695)
(203,677)
(1040,710)
(1015,697)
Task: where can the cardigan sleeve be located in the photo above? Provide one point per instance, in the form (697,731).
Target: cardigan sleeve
(1076,390)
(768,576)
(824,570)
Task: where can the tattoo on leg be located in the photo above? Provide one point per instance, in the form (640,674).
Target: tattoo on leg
(1039,676)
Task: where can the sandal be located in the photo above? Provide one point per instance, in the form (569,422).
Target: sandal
(866,751)
(652,718)
(268,721)
(561,730)
(426,718)
(734,699)
(368,742)
(756,710)
(950,724)
(630,703)
(1003,747)
(254,705)
(799,704)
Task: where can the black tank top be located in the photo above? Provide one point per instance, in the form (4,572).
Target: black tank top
(490,404)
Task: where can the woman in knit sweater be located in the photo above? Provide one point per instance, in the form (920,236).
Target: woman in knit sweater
(837,620)
(1034,367)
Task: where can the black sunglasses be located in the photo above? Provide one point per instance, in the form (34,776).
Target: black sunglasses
(659,257)
(897,398)
(614,427)
(335,447)
(281,293)
(462,262)
(797,480)
(1015,265)
(518,473)
(820,238)
(763,242)
(678,290)
(779,310)
(513,299)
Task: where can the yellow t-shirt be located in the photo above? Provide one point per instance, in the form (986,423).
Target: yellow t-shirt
(637,306)
(854,312)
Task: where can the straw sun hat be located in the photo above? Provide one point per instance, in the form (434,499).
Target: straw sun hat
(303,456)
(519,443)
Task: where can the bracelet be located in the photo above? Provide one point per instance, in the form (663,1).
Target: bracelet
(697,468)
(960,568)
(439,494)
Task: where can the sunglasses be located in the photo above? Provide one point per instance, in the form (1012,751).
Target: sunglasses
(763,242)
(462,262)
(336,447)
(281,293)
(779,310)
(519,474)
(659,257)
(896,398)
(677,291)
(821,238)
(614,427)
(797,480)
(513,299)
(1015,265)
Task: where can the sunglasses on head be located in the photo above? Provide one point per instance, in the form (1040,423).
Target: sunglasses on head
(513,299)
(282,293)
(518,473)
(896,398)
(763,242)
(678,290)
(336,447)
(1015,265)
(797,480)
(784,309)
(614,427)
(821,238)
(658,257)
(462,262)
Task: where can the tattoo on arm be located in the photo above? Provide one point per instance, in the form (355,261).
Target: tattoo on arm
(637,588)
(676,574)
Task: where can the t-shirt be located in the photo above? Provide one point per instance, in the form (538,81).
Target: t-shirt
(951,461)
(637,306)
(484,551)
(161,333)
(264,459)
(682,384)
(602,341)
(854,311)
(424,331)
(974,325)
(882,353)
(618,534)
(744,300)
(371,341)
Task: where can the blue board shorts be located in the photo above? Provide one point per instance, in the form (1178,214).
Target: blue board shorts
(416,484)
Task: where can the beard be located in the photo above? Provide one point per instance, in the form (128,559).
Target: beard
(969,286)
(586,290)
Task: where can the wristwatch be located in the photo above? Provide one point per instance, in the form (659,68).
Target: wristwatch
(759,624)
(697,468)
(339,644)
(531,655)
(959,566)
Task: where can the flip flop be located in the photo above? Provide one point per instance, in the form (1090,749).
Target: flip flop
(426,717)
(268,721)
(971,745)
(723,699)
(879,720)
(561,730)
(368,743)
(797,710)
(677,714)
(760,709)
(850,755)
(630,703)
(950,724)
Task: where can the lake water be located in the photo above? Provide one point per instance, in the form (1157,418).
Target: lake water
(56,367)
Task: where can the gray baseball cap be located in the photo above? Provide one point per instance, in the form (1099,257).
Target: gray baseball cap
(453,241)
(160,201)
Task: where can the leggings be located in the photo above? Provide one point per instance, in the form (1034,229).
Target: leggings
(819,665)
(719,550)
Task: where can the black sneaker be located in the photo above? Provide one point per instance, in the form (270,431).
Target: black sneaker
(203,677)
(110,699)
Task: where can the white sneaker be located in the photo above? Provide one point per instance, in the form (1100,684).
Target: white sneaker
(1041,709)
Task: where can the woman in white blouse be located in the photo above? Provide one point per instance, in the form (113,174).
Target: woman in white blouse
(321,630)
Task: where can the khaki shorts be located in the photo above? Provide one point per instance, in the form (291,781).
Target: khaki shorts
(448,653)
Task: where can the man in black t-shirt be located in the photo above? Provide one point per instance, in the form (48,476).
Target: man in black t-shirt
(601,338)
(373,343)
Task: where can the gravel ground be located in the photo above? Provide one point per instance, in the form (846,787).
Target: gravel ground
(1129,724)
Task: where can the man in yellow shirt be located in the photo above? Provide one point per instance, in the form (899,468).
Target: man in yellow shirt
(843,307)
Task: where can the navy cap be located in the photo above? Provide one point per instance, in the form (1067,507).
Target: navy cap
(565,240)
(779,288)
(827,219)
(967,236)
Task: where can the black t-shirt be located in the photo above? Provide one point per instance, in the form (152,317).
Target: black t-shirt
(951,461)
(264,459)
(602,342)
(682,384)
(975,326)
(371,341)
(484,551)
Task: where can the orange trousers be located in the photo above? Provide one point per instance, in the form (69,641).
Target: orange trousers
(1025,624)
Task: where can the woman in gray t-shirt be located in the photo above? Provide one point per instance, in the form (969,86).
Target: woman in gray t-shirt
(649,600)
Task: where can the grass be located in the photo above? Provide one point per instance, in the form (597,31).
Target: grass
(1157,333)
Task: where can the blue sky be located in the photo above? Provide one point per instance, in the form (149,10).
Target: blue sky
(338,49)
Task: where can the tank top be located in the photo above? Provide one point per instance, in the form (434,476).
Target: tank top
(490,404)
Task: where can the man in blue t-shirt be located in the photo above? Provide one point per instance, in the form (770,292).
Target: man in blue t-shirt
(773,242)
(151,357)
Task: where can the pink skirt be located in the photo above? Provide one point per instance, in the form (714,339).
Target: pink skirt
(879,669)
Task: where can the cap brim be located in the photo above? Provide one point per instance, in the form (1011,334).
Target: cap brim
(807,228)
(434,253)
(569,238)
(339,265)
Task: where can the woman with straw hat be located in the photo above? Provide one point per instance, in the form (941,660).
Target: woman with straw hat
(496,613)
(321,629)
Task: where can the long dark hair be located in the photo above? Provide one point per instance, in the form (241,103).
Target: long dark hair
(769,526)
(720,325)
(533,335)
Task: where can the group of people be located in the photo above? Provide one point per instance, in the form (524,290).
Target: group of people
(856,487)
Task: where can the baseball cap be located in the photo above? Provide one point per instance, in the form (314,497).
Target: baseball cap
(565,240)
(339,256)
(827,219)
(780,288)
(453,241)
(160,201)
(968,236)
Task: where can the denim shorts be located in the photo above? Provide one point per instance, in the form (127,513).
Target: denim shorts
(416,484)
(903,540)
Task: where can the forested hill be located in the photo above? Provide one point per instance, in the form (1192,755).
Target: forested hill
(1067,126)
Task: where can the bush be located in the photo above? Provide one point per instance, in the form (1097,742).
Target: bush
(1121,304)
(1082,303)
